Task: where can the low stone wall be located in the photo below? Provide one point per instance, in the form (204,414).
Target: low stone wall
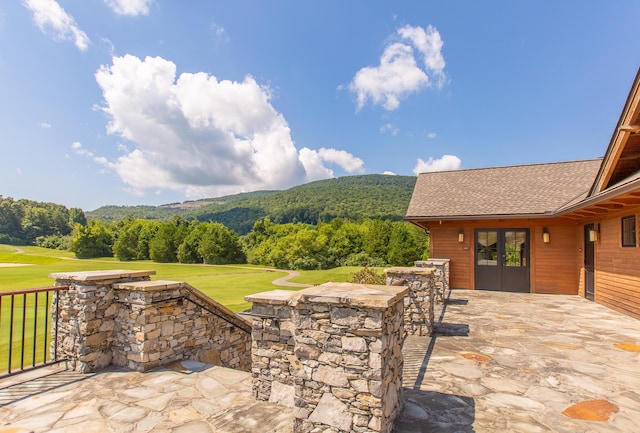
(440,275)
(346,365)
(419,302)
(123,318)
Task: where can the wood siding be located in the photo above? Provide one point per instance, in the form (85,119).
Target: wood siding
(554,266)
(557,263)
(617,268)
(445,245)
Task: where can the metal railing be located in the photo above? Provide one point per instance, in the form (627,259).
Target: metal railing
(26,324)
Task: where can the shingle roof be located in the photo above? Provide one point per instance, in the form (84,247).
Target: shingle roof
(502,191)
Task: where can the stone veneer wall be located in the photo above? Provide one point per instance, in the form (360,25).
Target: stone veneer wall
(346,367)
(419,302)
(274,367)
(123,318)
(440,275)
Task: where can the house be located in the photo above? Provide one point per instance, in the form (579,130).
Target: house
(563,228)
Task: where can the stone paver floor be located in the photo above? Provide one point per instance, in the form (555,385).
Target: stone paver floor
(510,362)
(500,362)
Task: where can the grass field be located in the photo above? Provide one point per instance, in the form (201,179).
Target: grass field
(30,267)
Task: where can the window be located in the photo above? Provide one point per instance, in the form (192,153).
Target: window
(629,231)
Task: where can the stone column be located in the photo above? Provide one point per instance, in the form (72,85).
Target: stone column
(440,275)
(419,303)
(275,369)
(87,316)
(348,339)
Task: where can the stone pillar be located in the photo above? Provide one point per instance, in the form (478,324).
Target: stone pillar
(275,369)
(348,339)
(87,316)
(440,275)
(419,302)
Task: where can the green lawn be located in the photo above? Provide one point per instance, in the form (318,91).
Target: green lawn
(226,284)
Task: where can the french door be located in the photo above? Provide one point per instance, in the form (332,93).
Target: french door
(502,260)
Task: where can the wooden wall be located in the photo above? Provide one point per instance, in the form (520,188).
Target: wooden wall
(617,269)
(445,245)
(554,266)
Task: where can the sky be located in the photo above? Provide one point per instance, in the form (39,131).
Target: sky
(131,102)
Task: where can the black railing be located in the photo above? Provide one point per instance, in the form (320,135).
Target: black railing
(26,325)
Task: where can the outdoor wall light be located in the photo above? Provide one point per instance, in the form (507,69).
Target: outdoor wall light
(545,235)
(593,233)
(461,236)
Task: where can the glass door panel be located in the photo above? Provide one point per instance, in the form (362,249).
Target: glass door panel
(487,247)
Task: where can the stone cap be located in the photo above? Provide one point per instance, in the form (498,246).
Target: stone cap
(357,295)
(100,275)
(273,297)
(409,270)
(148,286)
(432,261)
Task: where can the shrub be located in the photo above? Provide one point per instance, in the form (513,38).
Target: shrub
(368,275)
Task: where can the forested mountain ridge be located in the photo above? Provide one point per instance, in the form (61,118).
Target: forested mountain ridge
(349,197)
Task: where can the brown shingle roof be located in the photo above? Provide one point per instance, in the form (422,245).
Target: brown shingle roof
(521,190)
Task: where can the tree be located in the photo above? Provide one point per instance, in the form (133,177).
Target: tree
(188,249)
(219,245)
(163,248)
(77,216)
(10,221)
(376,238)
(93,240)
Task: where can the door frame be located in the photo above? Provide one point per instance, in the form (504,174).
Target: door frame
(498,276)
(589,264)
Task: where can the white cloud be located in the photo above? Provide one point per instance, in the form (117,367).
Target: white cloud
(431,135)
(129,7)
(347,161)
(45,125)
(388,127)
(447,162)
(18,170)
(202,135)
(313,165)
(48,15)
(429,43)
(398,74)
(389,173)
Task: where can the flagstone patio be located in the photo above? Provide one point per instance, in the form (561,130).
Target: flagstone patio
(499,362)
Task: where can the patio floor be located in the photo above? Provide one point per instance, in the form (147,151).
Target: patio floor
(499,362)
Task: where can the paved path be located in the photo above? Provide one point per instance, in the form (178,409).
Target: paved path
(501,362)
(284,281)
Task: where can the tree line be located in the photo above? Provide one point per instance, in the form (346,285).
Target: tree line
(27,222)
(370,242)
(292,245)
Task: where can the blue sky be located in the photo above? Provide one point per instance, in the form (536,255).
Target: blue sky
(155,101)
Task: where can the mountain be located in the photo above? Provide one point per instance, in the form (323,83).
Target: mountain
(349,197)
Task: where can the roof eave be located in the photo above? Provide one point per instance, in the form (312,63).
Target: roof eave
(478,217)
(602,197)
